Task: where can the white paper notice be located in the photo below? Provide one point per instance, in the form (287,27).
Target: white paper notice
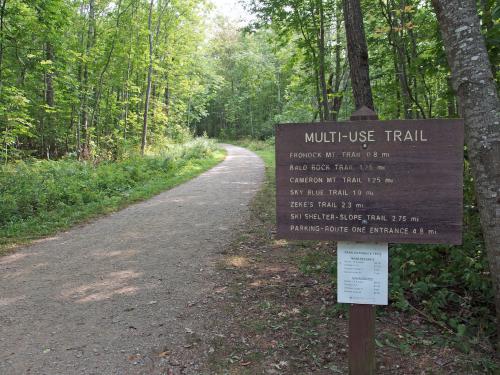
(362,273)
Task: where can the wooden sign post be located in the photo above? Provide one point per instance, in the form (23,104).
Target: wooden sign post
(371,182)
(361,334)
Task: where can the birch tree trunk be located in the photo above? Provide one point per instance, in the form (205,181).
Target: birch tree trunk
(478,101)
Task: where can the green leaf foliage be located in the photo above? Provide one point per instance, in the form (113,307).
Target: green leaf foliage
(38,197)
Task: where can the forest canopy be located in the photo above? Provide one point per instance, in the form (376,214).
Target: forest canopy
(94,78)
(291,64)
(74,75)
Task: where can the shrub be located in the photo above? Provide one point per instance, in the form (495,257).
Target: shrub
(451,283)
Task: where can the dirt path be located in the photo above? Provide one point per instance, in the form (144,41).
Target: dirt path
(123,294)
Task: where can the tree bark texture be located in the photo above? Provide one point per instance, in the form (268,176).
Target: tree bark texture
(357,52)
(150,77)
(49,100)
(3,4)
(321,52)
(338,79)
(473,82)
(361,317)
(85,152)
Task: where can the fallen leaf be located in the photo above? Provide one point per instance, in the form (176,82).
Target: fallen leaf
(133,357)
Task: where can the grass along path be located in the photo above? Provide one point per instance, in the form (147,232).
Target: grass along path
(41,198)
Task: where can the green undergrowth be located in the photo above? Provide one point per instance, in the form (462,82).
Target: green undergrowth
(449,286)
(40,197)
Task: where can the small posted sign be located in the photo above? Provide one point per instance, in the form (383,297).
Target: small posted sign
(362,274)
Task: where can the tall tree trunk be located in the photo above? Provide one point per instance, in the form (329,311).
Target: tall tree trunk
(3,4)
(479,104)
(320,112)
(338,80)
(81,91)
(49,99)
(357,52)
(426,92)
(321,58)
(150,76)
(278,84)
(166,97)
(450,99)
(98,92)
(403,62)
(127,90)
(49,92)
(488,25)
(410,55)
(361,352)
(69,131)
(85,152)
(314,58)
(338,85)
(403,81)
(396,42)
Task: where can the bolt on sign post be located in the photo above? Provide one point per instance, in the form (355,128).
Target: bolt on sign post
(366,183)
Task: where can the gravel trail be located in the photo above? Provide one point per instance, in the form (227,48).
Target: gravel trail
(124,294)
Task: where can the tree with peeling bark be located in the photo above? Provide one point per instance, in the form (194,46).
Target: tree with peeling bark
(475,87)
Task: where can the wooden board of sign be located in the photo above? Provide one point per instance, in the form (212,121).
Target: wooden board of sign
(370,181)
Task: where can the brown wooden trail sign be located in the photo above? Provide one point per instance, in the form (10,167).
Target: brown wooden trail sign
(370,181)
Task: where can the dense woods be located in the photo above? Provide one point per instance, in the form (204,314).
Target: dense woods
(294,61)
(101,80)
(95,78)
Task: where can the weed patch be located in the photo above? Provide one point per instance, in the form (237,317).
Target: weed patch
(41,197)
